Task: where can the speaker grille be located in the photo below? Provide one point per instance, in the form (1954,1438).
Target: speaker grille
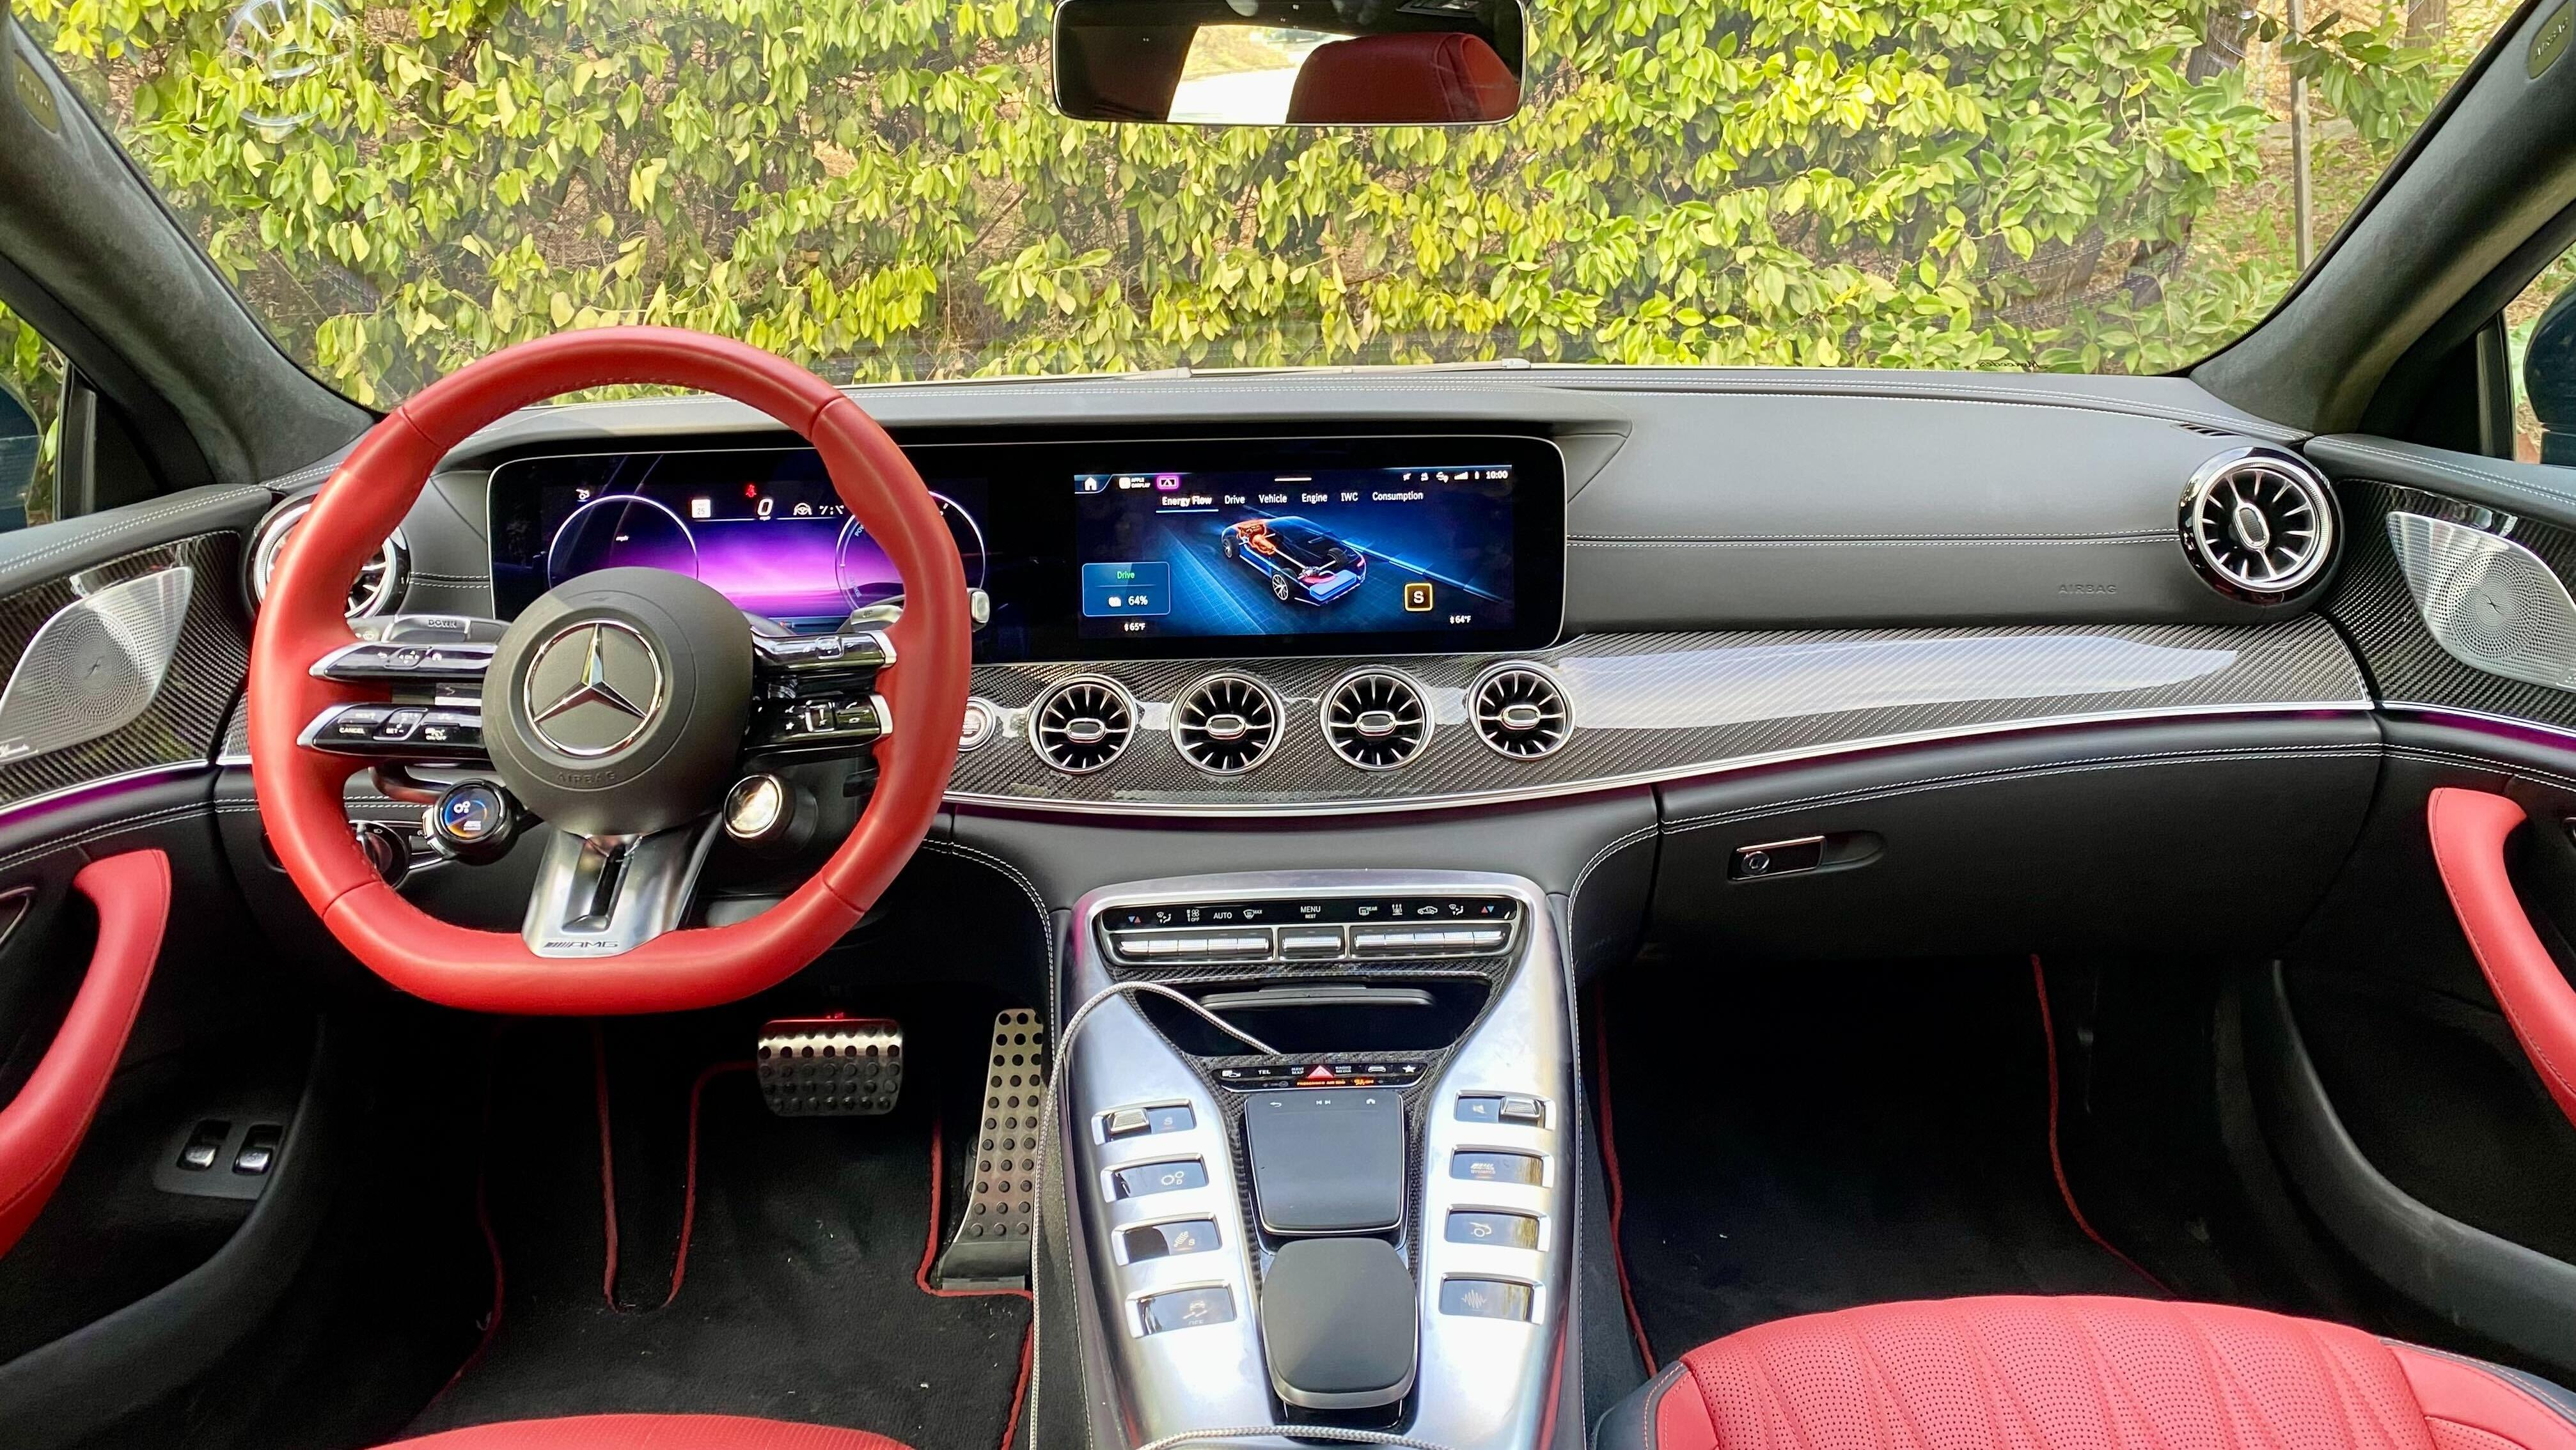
(2488,601)
(94,667)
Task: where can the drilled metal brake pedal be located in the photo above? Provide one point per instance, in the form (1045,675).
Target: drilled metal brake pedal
(820,1067)
(991,1248)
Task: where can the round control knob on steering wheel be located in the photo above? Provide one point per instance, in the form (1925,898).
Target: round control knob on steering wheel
(474,822)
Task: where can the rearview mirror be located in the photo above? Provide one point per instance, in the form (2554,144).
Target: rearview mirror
(1289,62)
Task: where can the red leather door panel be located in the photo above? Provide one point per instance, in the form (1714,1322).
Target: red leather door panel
(2469,830)
(42,1127)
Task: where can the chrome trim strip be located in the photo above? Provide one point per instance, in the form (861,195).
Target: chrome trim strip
(1691,771)
(2557,736)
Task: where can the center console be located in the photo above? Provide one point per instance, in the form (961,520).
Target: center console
(1369,1227)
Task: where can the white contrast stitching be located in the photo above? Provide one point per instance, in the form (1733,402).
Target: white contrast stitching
(125,526)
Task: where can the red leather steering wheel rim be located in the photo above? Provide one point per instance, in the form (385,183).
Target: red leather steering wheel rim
(303,617)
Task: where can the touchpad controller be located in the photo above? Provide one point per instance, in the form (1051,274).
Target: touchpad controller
(1327,1162)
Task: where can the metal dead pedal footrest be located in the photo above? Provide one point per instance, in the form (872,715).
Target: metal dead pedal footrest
(991,1248)
(830,1067)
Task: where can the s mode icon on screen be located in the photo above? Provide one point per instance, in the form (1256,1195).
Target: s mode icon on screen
(1116,591)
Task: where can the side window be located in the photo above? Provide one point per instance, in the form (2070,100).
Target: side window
(2540,333)
(31,396)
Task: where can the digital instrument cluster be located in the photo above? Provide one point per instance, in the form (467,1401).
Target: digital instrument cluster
(1106,549)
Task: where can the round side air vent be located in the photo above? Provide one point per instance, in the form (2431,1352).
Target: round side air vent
(1082,725)
(379,586)
(1375,719)
(1225,724)
(2259,524)
(1520,711)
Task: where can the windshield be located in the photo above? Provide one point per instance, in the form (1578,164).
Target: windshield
(881,189)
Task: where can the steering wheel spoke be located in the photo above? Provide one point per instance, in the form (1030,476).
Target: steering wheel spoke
(602,896)
(815,696)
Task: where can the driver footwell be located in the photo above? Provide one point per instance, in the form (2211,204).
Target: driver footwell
(799,1299)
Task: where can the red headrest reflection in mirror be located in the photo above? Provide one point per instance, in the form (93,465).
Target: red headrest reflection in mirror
(1425,78)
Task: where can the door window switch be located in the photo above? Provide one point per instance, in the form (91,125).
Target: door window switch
(205,1146)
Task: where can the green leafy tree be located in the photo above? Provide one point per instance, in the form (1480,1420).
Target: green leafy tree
(881,189)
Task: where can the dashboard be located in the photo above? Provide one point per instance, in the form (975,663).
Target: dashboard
(1132,549)
(1334,593)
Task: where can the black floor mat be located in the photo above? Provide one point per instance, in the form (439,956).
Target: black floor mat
(799,1301)
(1808,1138)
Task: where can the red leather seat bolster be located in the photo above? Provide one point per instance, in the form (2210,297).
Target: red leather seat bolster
(43,1125)
(2080,1374)
(2473,1406)
(650,1432)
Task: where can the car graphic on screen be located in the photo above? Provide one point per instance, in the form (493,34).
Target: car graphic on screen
(1300,560)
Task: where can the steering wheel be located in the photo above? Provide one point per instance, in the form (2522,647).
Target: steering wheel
(629,785)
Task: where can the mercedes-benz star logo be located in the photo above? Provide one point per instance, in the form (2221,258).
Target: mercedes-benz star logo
(593,688)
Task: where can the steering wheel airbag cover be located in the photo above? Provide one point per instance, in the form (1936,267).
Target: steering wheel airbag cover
(300,789)
(650,746)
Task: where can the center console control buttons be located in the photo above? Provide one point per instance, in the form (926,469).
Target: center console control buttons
(1146,1179)
(1496,1167)
(1320,1075)
(1163,1240)
(1485,1298)
(1516,1108)
(1186,1309)
(1310,941)
(1186,945)
(1139,1122)
(1509,1230)
(1408,941)
(1319,929)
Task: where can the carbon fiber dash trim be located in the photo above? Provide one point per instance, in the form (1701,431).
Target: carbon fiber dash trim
(1662,706)
(187,716)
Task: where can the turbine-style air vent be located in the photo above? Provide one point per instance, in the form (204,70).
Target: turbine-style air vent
(1082,725)
(379,585)
(1376,720)
(2259,524)
(1520,711)
(1225,724)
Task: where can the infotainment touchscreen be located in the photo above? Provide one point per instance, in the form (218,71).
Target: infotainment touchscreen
(1091,549)
(1418,548)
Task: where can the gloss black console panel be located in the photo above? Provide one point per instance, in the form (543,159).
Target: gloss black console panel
(1095,549)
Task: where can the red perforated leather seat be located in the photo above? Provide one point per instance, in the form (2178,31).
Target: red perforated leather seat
(2080,1374)
(650,1432)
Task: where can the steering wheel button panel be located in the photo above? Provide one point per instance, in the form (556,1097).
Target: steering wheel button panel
(370,660)
(397,732)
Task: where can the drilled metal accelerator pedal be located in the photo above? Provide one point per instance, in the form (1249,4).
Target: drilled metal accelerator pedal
(830,1067)
(991,1248)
